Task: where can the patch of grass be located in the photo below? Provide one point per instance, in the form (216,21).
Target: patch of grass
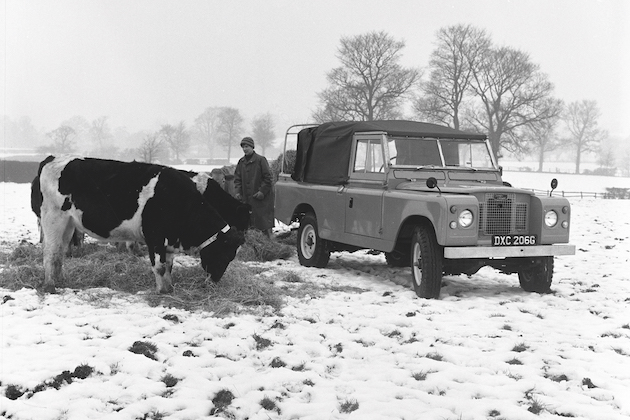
(348,406)
(536,406)
(13,392)
(557,378)
(420,376)
(66,377)
(521,347)
(277,363)
(261,342)
(144,348)
(588,383)
(259,247)
(299,368)
(435,356)
(221,401)
(269,404)
(514,361)
(169,380)
(152,415)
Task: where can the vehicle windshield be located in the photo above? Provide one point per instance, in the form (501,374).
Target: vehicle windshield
(458,153)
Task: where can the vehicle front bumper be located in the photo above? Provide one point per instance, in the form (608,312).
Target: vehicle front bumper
(453,252)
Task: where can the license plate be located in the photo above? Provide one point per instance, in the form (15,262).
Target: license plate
(514,240)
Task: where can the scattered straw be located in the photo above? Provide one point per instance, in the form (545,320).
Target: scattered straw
(240,289)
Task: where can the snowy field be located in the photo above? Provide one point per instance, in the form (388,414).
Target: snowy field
(368,349)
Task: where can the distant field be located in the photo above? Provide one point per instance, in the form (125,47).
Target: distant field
(566,182)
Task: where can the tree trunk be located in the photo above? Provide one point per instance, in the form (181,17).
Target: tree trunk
(577,160)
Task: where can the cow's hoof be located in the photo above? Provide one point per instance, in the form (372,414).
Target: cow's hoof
(166,290)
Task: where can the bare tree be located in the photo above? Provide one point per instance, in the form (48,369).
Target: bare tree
(585,135)
(369,84)
(101,133)
(457,52)
(263,131)
(540,136)
(176,137)
(81,127)
(19,133)
(152,148)
(63,139)
(230,128)
(513,93)
(206,125)
(607,160)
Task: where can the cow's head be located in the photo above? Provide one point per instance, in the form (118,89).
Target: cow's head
(216,256)
(241,218)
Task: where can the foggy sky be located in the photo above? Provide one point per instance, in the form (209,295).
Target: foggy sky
(151,62)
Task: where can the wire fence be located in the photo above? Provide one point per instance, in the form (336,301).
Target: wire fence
(610,194)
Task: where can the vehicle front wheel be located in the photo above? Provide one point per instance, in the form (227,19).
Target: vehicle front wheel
(311,249)
(538,277)
(426,263)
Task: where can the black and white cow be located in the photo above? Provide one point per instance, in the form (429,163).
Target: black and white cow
(131,201)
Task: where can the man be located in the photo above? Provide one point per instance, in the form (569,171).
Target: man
(252,185)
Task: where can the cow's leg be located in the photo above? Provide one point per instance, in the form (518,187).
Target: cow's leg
(162,269)
(57,231)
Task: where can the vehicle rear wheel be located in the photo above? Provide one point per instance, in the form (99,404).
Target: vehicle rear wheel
(311,249)
(538,278)
(426,263)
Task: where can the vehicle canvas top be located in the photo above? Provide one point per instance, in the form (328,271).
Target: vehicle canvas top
(323,152)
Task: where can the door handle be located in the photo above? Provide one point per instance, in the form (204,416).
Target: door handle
(351,203)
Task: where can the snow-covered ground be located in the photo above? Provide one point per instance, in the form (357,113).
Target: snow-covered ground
(368,349)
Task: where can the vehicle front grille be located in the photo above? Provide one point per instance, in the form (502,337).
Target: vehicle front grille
(502,214)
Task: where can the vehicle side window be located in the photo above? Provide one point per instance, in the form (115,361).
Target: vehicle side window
(368,157)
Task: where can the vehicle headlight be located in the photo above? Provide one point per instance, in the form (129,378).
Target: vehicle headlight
(465,218)
(551,218)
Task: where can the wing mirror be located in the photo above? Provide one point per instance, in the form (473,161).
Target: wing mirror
(554,185)
(432,183)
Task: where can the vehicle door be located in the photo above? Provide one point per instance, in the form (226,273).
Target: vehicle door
(366,187)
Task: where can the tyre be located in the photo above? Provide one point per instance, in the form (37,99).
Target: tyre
(397,259)
(538,278)
(311,249)
(426,263)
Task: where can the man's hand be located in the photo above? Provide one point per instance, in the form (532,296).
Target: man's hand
(259,196)
(238,197)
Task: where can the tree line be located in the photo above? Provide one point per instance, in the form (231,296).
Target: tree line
(215,127)
(469,84)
